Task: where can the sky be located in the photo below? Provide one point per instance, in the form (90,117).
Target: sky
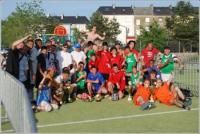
(82,7)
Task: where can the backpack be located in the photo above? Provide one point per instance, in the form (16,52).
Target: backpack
(187,92)
(115,97)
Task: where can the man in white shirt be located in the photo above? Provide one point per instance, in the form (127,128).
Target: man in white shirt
(78,55)
(64,57)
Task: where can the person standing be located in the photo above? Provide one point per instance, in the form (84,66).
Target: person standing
(149,54)
(167,64)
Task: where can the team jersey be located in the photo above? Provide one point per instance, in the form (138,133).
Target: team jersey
(134,51)
(94,77)
(131,61)
(44,95)
(169,67)
(117,60)
(163,94)
(149,55)
(81,83)
(143,92)
(89,53)
(119,78)
(135,78)
(92,63)
(104,65)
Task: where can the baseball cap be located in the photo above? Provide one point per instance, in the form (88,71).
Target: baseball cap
(77,45)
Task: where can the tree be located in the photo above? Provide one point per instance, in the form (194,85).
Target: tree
(156,34)
(109,27)
(28,18)
(184,24)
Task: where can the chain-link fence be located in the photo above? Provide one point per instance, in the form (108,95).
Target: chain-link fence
(187,76)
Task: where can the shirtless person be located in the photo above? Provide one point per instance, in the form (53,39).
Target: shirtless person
(92,35)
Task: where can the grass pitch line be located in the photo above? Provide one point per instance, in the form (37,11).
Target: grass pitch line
(113,118)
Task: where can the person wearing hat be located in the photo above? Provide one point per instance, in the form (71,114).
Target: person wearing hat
(167,64)
(12,62)
(78,55)
(64,57)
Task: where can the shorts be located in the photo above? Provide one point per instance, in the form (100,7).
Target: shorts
(166,77)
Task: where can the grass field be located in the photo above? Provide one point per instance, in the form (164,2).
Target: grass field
(121,116)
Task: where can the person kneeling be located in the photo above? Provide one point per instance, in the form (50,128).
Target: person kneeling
(95,84)
(44,95)
(116,83)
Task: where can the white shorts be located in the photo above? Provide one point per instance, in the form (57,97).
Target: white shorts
(166,77)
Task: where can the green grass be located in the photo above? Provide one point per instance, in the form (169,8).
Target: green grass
(186,121)
(80,111)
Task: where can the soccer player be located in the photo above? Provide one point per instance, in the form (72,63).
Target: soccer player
(136,77)
(143,95)
(167,64)
(115,58)
(163,94)
(104,65)
(149,53)
(44,94)
(116,81)
(65,81)
(80,78)
(131,44)
(93,61)
(95,83)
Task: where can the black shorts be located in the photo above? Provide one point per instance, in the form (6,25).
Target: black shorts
(128,78)
(105,76)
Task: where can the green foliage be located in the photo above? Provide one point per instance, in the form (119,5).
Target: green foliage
(109,27)
(184,23)
(28,18)
(156,34)
(77,34)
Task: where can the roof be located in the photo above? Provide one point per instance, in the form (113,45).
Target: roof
(72,19)
(112,10)
(162,11)
(142,11)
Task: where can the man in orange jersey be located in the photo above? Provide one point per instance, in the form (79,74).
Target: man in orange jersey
(143,95)
(174,96)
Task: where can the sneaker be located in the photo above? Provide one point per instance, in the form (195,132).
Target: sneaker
(129,98)
(187,108)
(147,106)
(187,102)
(106,96)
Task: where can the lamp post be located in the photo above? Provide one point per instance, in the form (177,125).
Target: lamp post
(127,31)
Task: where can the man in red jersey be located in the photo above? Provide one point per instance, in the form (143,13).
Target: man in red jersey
(149,53)
(131,44)
(116,81)
(104,64)
(116,58)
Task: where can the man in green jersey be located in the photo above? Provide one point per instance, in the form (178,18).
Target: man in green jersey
(167,64)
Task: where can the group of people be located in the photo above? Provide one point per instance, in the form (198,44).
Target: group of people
(92,71)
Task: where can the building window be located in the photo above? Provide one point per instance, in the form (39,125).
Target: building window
(147,28)
(137,22)
(137,32)
(147,20)
(160,19)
